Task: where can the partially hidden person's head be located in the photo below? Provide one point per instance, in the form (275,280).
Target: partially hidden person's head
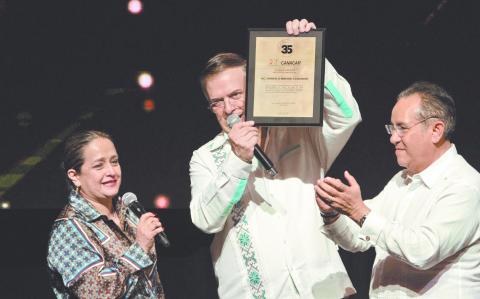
(422,125)
(92,166)
(223,82)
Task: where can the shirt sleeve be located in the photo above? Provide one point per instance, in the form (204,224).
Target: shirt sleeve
(215,190)
(341,115)
(348,234)
(451,225)
(80,262)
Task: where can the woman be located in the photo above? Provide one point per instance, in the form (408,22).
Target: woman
(97,248)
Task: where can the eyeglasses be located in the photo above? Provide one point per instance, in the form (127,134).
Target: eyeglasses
(235,98)
(402,129)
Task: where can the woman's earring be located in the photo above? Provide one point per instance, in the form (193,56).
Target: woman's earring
(77,190)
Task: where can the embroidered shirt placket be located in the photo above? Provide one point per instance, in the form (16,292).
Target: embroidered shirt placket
(244,237)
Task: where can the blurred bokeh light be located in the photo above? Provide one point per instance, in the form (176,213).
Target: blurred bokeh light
(161,201)
(149,105)
(135,6)
(145,80)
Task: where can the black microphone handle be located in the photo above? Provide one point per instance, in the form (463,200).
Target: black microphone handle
(262,157)
(138,210)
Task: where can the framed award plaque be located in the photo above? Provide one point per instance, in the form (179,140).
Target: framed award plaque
(285,77)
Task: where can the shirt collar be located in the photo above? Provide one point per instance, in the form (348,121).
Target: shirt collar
(218,141)
(437,169)
(84,208)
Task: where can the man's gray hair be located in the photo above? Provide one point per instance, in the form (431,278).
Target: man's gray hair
(436,103)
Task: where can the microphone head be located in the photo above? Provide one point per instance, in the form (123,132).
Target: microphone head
(129,198)
(232,119)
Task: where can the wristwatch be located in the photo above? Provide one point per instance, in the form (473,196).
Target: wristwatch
(329,214)
(362,220)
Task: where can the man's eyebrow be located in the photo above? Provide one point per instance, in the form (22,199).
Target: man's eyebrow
(216,100)
(236,91)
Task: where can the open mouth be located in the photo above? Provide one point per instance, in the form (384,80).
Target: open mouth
(110,183)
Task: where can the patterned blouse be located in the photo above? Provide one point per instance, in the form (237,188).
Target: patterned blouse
(89,256)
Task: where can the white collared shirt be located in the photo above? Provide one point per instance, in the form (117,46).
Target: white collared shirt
(425,230)
(268,240)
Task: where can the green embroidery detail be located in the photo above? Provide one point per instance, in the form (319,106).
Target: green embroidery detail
(261,296)
(254,277)
(250,261)
(236,210)
(236,197)
(244,239)
(244,220)
(248,252)
(339,99)
(219,157)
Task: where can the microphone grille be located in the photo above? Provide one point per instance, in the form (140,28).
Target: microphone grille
(129,198)
(232,119)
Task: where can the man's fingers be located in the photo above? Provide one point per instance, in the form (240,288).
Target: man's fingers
(250,139)
(303,25)
(327,188)
(322,204)
(318,190)
(309,27)
(243,124)
(289,27)
(350,179)
(250,134)
(245,136)
(324,194)
(295,25)
(244,129)
(335,184)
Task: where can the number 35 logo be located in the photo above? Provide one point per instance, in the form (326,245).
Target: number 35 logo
(287,49)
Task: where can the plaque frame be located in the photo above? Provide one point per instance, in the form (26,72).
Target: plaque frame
(318,79)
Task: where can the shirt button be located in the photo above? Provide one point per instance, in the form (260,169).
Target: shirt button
(367,238)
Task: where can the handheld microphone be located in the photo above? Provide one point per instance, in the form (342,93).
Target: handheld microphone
(257,151)
(132,203)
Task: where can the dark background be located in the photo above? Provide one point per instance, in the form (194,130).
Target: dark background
(61,60)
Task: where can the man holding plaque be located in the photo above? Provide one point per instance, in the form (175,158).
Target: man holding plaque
(268,241)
